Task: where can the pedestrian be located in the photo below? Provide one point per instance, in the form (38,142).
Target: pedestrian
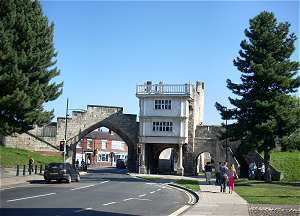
(224,176)
(77,163)
(208,170)
(252,170)
(262,171)
(30,164)
(231,175)
(217,171)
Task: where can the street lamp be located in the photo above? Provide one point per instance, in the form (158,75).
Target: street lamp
(66,127)
(226,143)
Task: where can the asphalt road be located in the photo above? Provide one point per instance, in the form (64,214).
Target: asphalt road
(106,191)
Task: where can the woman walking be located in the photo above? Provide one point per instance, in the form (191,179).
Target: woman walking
(231,174)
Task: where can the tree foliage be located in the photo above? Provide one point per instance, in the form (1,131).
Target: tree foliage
(27,66)
(264,111)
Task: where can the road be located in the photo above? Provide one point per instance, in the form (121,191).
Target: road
(105,191)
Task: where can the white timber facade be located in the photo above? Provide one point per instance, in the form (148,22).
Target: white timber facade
(165,112)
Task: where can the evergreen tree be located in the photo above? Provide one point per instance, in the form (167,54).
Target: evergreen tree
(264,111)
(26,66)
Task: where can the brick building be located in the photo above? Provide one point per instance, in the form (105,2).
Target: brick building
(101,148)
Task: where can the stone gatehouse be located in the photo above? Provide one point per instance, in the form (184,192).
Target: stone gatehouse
(171,116)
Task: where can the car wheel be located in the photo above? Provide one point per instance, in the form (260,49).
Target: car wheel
(69,180)
(47,181)
(78,178)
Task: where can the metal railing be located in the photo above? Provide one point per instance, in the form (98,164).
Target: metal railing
(169,89)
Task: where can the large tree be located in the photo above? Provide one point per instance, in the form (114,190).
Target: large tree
(264,111)
(27,65)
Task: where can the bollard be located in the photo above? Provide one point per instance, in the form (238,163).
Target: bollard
(29,169)
(35,169)
(41,167)
(24,168)
(18,170)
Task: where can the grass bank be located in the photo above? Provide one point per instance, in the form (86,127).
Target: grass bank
(10,157)
(288,163)
(259,192)
(190,184)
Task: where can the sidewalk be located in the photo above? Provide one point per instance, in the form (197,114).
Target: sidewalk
(211,200)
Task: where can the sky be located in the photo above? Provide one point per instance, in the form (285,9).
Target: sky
(106,48)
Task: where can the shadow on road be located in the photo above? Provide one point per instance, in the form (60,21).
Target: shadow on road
(55,211)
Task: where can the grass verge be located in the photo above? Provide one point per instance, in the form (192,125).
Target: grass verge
(190,184)
(259,192)
(288,164)
(11,157)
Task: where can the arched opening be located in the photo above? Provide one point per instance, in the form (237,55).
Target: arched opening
(167,161)
(201,160)
(101,147)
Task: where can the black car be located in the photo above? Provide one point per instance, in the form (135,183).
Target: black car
(61,171)
(121,164)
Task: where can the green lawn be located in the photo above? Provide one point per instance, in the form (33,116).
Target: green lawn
(288,163)
(10,157)
(260,192)
(190,184)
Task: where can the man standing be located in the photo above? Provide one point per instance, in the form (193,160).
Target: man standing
(217,171)
(208,170)
(224,176)
(30,165)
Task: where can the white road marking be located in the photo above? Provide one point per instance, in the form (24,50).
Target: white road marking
(152,192)
(103,182)
(81,210)
(24,198)
(87,186)
(150,183)
(111,203)
(128,199)
(179,211)
(136,199)
(142,195)
(158,189)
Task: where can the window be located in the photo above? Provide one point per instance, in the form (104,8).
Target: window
(162,126)
(162,104)
(103,144)
(103,157)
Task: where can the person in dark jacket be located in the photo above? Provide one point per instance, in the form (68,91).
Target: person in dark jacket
(224,176)
(208,170)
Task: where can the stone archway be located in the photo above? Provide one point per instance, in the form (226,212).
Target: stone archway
(125,125)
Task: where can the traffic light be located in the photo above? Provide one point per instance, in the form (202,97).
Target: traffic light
(67,150)
(62,145)
(139,150)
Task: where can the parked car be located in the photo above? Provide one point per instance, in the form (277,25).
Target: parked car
(121,164)
(61,171)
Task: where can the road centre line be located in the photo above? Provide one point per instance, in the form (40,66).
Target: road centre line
(87,186)
(111,203)
(158,189)
(136,199)
(142,195)
(24,198)
(127,199)
(152,192)
(103,182)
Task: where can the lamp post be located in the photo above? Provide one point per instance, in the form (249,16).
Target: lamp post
(66,126)
(226,143)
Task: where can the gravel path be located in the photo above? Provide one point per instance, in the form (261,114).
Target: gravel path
(274,210)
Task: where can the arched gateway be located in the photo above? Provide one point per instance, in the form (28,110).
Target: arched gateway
(82,123)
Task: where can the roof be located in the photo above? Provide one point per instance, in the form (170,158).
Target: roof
(103,135)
